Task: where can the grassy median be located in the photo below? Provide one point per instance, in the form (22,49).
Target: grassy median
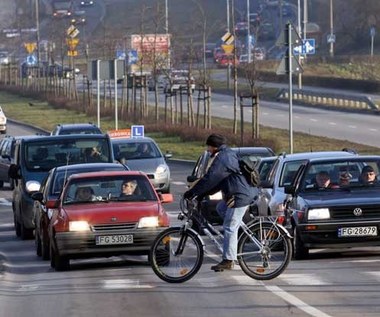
(40,114)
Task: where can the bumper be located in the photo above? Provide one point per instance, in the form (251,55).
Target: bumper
(83,245)
(160,184)
(325,235)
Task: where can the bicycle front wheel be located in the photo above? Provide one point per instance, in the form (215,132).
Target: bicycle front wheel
(264,253)
(176,255)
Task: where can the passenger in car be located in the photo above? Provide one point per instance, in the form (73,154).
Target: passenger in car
(344,179)
(128,188)
(368,176)
(84,193)
(323,180)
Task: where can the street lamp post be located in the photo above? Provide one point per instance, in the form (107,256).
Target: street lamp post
(38,31)
(248,33)
(228,30)
(331,29)
(166,17)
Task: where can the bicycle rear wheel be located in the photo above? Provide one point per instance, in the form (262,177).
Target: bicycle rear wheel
(265,253)
(176,255)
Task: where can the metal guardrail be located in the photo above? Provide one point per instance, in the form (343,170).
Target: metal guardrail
(330,99)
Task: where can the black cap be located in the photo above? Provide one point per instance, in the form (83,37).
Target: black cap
(367,169)
(216,140)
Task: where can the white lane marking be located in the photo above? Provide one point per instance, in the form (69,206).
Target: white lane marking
(302,279)
(178,183)
(352,126)
(5,202)
(373,130)
(312,311)
(314,120)
(124,284)
(28,288)
(332,123)
(373,274)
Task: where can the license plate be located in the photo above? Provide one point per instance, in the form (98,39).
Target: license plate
(357,231)
(114,239)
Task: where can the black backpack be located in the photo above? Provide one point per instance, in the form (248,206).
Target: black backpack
(248,170)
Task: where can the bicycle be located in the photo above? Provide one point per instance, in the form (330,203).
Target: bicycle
(264,247)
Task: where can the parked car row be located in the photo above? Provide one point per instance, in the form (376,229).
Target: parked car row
(77,201)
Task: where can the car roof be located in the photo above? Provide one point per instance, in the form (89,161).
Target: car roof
(345,158)
(91,166)
(64,137)
(76,125)
(107,174)
(310,155)
(253,150)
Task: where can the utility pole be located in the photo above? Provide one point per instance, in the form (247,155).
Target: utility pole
(38,31)
(331,29)
(228,30)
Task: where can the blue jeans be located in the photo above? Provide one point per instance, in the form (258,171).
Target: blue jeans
(232,218)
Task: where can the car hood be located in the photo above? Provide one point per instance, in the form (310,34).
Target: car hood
(103,212)
(343,198)
(148,166)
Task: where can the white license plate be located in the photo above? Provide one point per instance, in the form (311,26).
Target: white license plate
(114,239)
(357,231)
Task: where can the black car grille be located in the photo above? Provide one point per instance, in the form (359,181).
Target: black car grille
(116,226)
(347,212)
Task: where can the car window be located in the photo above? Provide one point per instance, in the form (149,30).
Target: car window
(44,155)
(109,188)
(289,170)
(136,150)
(342,174)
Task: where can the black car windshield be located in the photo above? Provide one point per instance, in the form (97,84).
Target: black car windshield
(47,154)
(106,189)
(341,174)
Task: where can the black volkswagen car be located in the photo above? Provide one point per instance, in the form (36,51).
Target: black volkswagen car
(341,211)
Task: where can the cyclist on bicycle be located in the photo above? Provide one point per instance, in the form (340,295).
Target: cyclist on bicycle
(223,174)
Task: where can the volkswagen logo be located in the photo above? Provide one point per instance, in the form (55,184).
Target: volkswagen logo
(113,219)
(358,212)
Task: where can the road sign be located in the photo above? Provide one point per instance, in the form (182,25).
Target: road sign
(137,131)
(132,57)
(72,43)
(283,38)
(307,48)
(120,54)
(31,60)
(30,47)
(283,68)
(72,31)
(72,53)
(228,38)
(330,38)
(228,49)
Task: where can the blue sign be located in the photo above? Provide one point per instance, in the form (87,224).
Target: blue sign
(137,131)
(307,48)
(120,54)
(31,60)
(132,57)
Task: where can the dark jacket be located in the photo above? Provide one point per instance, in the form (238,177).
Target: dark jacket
(223,175)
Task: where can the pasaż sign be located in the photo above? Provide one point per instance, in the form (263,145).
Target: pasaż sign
(119,134)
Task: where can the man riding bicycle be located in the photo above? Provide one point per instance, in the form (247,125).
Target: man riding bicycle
(224,175)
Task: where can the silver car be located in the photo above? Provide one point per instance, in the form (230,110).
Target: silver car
(143,154)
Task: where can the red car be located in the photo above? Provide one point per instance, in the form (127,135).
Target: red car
(226,60)
(92,217)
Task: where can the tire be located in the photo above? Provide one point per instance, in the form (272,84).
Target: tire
(37,242)
(25,233)
(11,184)
(1,184)
(59,263)
(299,249)
(17,225)
(271,257)
(174,268)
(45,246)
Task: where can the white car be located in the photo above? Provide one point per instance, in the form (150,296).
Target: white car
(3,122)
